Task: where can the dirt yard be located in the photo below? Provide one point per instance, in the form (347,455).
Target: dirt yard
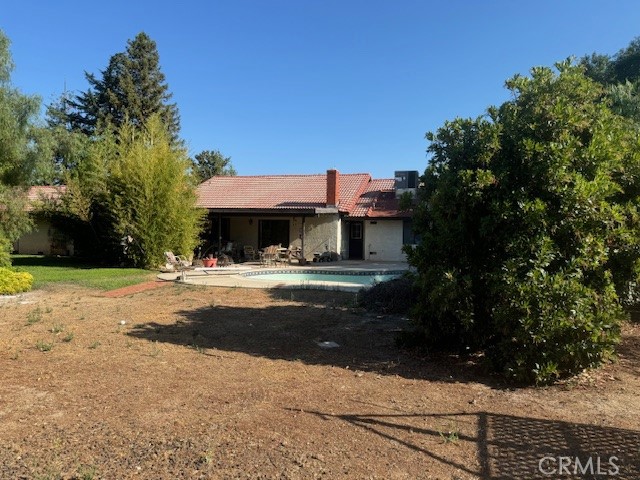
(194,382)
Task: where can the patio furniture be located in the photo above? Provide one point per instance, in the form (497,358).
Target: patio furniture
(177,262)
(249,253)
(225,260)
(282,255)
(269,255)
(295,253)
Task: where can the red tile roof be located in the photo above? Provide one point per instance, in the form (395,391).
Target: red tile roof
(43,193)
(378,201)
(278,192)
(360,196)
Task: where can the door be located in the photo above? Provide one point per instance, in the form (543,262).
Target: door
(273,232)
(356,241)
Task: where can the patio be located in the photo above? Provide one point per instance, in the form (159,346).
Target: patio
(232,276)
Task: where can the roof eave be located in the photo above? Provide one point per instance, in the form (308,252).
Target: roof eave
(274,211)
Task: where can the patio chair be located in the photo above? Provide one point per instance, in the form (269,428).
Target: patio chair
(295,253)
(249,253)
(177,262)
(269,255)
(282,255)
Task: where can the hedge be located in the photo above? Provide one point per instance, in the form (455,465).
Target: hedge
(12,282)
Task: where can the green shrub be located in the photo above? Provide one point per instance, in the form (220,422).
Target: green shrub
(151,196)
(12,282)
(530,230)
(5,249)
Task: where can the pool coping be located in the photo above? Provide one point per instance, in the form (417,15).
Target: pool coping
(237,276)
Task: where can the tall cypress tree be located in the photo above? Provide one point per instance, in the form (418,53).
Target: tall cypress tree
(132,88)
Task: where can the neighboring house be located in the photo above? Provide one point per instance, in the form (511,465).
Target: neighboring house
(44,239)
(351,214)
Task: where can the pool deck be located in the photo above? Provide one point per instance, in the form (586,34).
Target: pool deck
(231,276)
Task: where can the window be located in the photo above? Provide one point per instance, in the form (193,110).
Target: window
(408,235)
(273,232)
(356,231)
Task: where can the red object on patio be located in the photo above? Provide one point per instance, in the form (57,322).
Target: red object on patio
(209,262)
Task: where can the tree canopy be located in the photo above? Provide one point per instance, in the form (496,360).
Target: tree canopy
(527,217)
(620,74)
(209,163)
(150,195)
(18,155)
(131,89)
(134,184)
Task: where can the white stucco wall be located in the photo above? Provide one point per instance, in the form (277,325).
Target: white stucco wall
(44,239)
(383,240)
(321,233)
(37,241)
(243,233)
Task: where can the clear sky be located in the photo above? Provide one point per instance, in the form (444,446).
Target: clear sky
(299,86)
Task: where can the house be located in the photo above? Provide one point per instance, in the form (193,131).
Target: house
(44,239)
(351,214)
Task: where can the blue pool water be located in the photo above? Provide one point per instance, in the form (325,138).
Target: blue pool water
(302,277)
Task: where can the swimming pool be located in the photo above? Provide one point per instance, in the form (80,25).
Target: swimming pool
(361,278)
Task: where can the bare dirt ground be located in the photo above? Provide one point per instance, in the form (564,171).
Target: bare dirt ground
(195,382)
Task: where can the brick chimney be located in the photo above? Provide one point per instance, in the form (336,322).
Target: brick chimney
(333,188)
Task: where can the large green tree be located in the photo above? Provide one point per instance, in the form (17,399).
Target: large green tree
(68,147)
(209,163)
(19,155)
(131,89)
(150,194)
(620,74)
(530,230)
(135,185)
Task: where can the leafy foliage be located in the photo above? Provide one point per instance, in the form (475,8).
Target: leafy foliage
(19,154)
(69,147)
(527,216)
(12,282)
(130,90)
(406,201)
(151,196)
(209,163)
(14,220)
(18,112)
(620,73)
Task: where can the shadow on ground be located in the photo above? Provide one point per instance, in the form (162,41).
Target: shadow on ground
(302,322)
(298,332)
(509,446)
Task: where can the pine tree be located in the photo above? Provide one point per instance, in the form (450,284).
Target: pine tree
(131,89)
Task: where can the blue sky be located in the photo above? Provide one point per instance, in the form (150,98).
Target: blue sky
(286,86)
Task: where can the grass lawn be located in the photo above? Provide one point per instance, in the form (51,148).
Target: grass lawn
(47,270)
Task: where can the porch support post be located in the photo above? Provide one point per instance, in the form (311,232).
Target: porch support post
(219,233)
(302,239)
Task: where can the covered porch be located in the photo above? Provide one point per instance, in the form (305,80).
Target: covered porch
(309,232)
